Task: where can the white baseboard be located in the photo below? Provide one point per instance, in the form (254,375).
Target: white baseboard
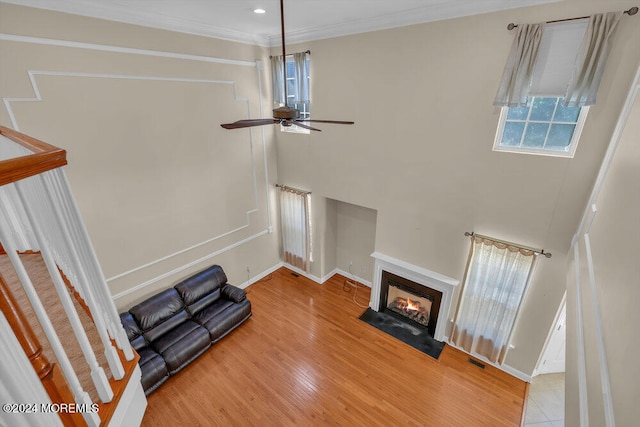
(504,368)
(326,277)
(260,276)
(358,279)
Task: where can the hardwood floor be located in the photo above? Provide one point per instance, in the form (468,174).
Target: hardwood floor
(305,358)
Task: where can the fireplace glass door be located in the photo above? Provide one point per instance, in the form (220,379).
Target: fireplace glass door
(409,305)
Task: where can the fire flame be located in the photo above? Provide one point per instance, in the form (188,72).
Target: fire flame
(412,305)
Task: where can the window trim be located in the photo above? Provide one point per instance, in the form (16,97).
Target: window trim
(570,153)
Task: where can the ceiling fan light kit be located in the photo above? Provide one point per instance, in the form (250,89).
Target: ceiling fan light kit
(285,115)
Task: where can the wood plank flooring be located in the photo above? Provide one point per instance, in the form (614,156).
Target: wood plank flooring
(305,359)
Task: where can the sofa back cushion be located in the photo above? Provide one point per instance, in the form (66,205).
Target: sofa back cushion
(202,289)
(134,334)
(159,314)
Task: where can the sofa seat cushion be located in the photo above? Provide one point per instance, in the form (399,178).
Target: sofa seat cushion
(223,316)
(154,369)
(182,344)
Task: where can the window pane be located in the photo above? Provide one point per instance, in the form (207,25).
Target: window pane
(542,109)
(560,137)
(291,67)
(536,133)
(566,114)
(512,134)
(518,113)
(291,88)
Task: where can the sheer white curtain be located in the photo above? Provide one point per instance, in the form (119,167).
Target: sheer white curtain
(295,218)
(277,84)
(591,59)
(495,283)
(516,77)
(301,92)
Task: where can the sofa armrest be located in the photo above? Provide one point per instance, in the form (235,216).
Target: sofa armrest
(233,293)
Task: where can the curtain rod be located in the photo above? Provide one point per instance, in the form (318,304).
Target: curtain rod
(285,187)
(308,52)
(629,12)
(504,242)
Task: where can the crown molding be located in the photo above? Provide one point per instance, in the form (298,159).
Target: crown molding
(111,11)
(432,13)
(107,11)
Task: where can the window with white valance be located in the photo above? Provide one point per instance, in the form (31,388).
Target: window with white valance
(551,77)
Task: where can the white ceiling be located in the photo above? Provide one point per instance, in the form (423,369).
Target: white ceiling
(304,19)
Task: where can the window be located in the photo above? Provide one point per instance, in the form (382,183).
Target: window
(495,283)
(292,89)
(295,221)
(544,126)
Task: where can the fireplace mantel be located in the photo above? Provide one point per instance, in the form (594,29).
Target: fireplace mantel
(420,275)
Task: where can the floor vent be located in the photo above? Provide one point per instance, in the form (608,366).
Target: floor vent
(478,364)
(295,274)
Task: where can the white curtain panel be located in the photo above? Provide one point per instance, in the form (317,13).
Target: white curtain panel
(591,59)
(495,283)
(301,95)
(277,70)
(296,229)
(516,77)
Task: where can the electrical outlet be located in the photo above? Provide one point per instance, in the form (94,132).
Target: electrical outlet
(350,264)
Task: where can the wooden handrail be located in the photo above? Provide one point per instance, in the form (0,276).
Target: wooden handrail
(44,158)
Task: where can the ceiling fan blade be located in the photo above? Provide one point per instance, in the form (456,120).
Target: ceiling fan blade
(297,123)
(249,123)
(338,122)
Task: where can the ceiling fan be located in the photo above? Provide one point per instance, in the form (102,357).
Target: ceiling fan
(286,115)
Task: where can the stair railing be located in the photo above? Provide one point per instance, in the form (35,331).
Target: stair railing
(38,214)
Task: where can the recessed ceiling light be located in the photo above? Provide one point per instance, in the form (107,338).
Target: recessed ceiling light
(259,11)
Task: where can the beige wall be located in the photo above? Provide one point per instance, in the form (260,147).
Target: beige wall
(356,231)
(613,238)
(420,153)
(164,190)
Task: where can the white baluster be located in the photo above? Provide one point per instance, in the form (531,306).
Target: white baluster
(97,373)
(116,329)
(81,396)
(82,281)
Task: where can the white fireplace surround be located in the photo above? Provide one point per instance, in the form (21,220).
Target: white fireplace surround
(420,275)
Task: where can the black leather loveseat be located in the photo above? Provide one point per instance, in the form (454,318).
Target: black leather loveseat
(173,327)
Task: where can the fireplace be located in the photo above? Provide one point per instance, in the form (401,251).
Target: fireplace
(410,301)
(420,297)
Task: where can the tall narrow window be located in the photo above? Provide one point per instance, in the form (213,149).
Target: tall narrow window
(297,84)
(495,282)
(295,218)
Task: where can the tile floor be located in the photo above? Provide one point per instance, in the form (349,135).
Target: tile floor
(545,407)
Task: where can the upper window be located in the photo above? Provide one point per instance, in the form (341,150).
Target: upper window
(544,126)
(293,98)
